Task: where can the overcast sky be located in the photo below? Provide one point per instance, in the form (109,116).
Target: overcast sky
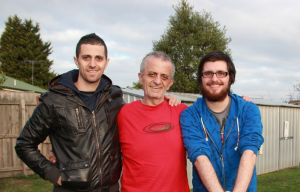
(265,36)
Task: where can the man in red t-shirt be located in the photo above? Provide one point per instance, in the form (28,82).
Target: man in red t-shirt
(154,158)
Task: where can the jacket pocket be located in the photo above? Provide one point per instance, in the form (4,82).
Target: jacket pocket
(71,120)
(75,175)
(115,164)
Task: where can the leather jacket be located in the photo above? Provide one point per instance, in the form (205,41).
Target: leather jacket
(84,142)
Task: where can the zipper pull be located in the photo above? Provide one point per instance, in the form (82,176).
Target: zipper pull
(109,98)
(222,129)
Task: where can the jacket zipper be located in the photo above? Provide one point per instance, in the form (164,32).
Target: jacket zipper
(78,119)
(97,139)
(221,154)
(224,175)
(98,148)
(221,157)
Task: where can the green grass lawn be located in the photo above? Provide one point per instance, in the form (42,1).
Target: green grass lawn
(281,181)
(20,183)
(285,180)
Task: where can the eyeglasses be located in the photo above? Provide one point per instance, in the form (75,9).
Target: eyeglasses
(210,74)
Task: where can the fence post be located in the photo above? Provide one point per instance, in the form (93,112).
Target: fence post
(23,112)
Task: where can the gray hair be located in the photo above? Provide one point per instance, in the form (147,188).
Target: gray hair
(157,54)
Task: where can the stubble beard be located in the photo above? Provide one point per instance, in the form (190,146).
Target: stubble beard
(88,79)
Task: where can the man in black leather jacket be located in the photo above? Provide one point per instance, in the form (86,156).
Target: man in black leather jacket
(79,114)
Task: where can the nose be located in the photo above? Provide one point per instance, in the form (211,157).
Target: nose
(157,80)
(214,77)
(92,63)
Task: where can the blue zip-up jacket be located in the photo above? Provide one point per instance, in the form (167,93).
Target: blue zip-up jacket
(201,136)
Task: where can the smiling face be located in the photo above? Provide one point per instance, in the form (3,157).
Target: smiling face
(215,89)
(91,63)
(156,80)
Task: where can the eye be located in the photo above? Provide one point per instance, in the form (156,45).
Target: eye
(220,72)
(164,77)
(208,74)
(85,57)
(150,74)
(99,58)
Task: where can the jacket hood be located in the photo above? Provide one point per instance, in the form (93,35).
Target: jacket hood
(201,106)
(64,83)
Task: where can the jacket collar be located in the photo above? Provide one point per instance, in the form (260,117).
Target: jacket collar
(65,83)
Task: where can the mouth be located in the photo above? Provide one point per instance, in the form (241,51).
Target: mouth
(214,85)
(156,88)
(92,71)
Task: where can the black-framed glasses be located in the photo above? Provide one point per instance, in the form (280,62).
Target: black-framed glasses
(210,74)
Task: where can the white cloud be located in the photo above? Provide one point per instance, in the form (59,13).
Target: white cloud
(265,44)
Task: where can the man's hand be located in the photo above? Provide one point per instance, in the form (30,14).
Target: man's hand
(172,100)
(52,158)
(246,98)
(59,181)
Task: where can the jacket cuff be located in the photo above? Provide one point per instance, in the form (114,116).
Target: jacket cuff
(252,148)
(197,154)
(52,175)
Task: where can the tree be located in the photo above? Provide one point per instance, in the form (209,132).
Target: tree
(23,54)
(2,79)
(189,36)
(297,89)
(136,85)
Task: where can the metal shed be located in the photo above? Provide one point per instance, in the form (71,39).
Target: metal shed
(281,131)
(130,94)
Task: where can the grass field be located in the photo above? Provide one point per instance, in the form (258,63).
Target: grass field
(281,181)
(287,180)
(20,183)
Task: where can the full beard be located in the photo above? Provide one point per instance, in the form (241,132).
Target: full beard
(215,97)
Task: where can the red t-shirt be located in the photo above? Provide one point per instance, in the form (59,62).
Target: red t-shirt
(154,158)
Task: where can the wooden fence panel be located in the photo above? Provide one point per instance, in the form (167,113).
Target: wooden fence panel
(15,110)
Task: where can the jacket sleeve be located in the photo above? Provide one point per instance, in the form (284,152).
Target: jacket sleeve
(250,129)
(193,135)
(35,132)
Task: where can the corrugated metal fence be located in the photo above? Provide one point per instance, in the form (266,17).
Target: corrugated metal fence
(282,138)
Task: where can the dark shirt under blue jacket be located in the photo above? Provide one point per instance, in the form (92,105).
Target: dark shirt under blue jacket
(68,79)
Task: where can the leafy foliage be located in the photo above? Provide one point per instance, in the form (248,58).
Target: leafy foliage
(23,54)
(137,85)
(2,79)
(189,36)
(297,89)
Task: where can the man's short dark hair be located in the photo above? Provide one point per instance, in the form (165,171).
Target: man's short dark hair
(91,39)
(216,56)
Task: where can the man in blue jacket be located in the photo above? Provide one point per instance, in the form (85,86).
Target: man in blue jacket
(221,132)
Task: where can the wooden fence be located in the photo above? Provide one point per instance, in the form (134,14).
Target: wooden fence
(15,110)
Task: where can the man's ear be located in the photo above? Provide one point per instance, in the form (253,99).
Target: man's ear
(76,61)
(140,78)
(106,64)
(170,84)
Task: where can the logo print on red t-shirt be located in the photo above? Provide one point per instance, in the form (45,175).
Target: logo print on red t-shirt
(158,127)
